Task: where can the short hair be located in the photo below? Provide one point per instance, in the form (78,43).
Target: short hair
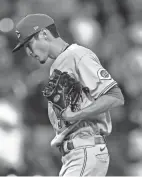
(53,30)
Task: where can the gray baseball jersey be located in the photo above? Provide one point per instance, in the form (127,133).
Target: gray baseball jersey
(83,65)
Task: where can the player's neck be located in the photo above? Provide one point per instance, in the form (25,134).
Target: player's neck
(57,47)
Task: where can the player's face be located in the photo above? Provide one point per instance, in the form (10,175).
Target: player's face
(38,49)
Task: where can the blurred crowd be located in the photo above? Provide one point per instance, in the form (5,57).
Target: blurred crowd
(113,30)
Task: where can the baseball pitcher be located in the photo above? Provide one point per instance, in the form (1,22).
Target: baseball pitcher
(80,94)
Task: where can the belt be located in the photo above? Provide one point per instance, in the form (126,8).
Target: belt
(69,145)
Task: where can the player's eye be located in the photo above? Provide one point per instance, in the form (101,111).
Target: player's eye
(28,51)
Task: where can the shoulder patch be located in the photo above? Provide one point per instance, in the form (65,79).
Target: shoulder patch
(103,74)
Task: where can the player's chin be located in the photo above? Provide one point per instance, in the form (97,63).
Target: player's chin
(42,61)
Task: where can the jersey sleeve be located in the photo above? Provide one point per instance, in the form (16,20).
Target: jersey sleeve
(94,76)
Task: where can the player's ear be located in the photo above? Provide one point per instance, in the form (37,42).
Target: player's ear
(45,33)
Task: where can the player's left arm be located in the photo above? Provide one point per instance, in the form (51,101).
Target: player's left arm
(110,95)
(106,102)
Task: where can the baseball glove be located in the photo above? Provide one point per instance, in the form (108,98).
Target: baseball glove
(63,91)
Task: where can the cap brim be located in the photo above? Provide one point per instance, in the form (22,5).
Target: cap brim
(21,44)
(18,46)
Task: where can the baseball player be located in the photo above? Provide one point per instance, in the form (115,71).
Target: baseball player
(80,93)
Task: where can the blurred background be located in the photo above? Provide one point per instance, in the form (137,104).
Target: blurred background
(113,30)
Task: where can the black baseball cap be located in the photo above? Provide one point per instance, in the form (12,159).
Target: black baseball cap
(29,26)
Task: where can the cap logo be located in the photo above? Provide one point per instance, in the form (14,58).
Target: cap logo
(36,27)
(18,34)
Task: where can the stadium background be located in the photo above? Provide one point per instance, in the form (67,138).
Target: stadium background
(113,30)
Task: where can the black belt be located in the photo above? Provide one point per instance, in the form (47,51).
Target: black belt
(70,145)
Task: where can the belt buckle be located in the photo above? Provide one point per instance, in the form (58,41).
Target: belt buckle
(64,148)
